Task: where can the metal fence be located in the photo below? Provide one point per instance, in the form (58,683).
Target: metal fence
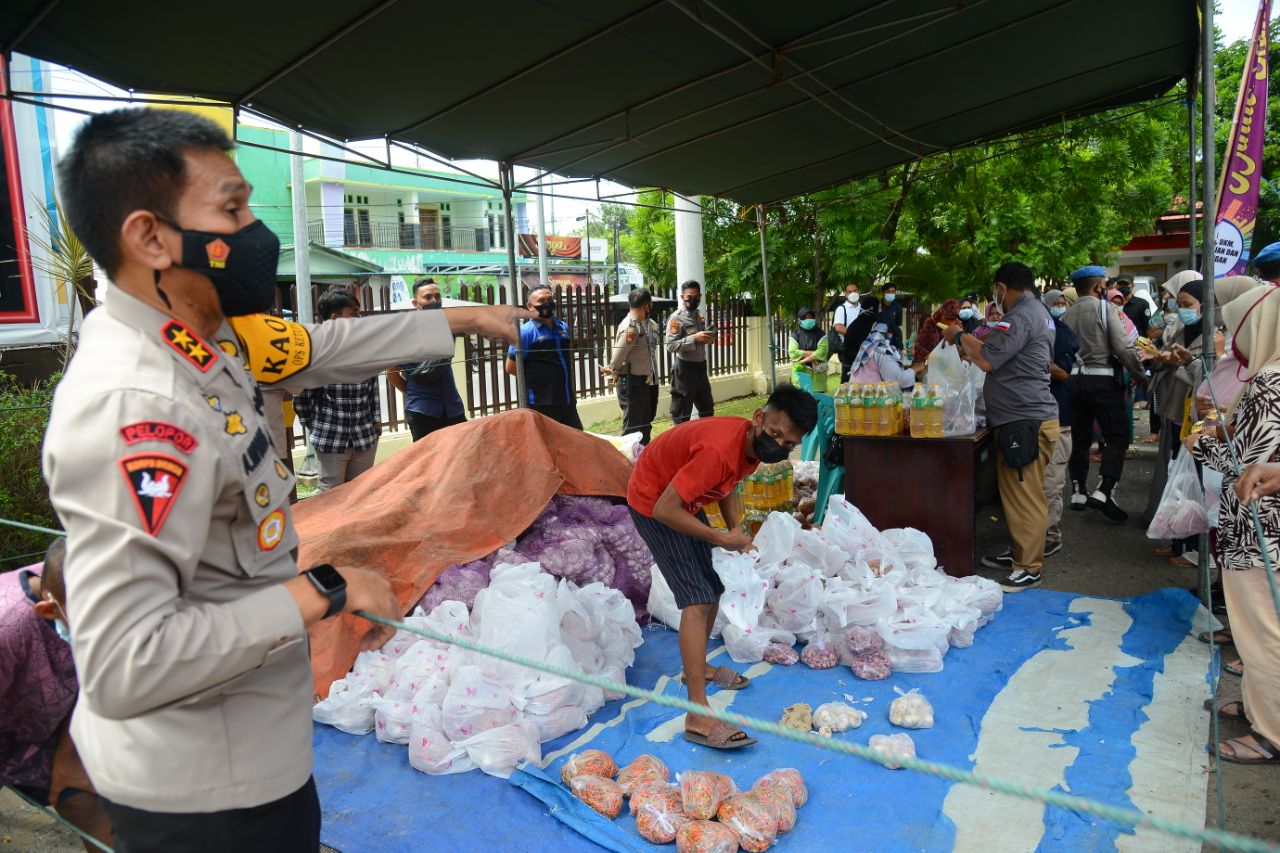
(593,322)
(390,235)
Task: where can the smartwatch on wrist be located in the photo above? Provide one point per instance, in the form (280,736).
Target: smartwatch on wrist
(329,583)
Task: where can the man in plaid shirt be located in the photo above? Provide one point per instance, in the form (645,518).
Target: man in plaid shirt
(343,421)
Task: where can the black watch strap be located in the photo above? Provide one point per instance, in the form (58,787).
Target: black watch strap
(329,582)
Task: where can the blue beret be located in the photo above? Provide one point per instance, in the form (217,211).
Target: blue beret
(1089,272)
(1269,255)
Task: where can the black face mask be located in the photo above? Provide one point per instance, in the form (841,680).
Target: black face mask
(242,266)
(692,302)
(768,450)
(429,306)
(546,309)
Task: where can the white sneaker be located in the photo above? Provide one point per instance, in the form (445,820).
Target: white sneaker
(1079,500)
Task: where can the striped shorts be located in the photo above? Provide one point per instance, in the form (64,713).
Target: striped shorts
(685,562)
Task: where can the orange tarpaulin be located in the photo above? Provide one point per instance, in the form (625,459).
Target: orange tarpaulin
(453,497)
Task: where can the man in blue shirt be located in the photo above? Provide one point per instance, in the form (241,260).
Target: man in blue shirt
(431,400)
(544,346)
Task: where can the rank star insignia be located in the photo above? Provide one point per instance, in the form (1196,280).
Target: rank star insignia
(187,345)
(235,424)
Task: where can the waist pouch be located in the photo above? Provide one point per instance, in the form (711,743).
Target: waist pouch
(1019,443)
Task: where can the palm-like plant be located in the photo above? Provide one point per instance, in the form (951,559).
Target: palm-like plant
(66,259)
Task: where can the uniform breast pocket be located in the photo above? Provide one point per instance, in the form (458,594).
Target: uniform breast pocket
(263,529)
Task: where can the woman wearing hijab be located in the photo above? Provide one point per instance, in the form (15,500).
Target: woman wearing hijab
(1254,323)
(878,360)
(994,315)
(1175,372)
(809,352)
(929,335)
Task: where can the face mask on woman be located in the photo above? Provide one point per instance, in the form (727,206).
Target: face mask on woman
(1189,315)
(1057,311)
(966,313)
(808,324)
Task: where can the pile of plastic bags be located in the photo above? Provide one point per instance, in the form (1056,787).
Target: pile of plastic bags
(457,710)
(833,586)
(581,539)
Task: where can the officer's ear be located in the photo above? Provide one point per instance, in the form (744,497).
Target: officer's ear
(148,242)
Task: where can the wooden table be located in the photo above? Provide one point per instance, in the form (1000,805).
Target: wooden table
(932,484)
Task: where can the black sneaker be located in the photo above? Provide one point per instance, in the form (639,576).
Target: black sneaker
(1020,580)
(1051,548)
(1003,560)
(1100,500)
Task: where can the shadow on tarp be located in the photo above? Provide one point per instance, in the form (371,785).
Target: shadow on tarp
(373,801)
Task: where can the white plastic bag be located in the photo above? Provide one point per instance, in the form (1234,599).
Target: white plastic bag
(911,710)
(662,602)
(915,640)
(392,720)
(748,646)
(776,538)
(794,602)
(744,593)
(498,751)
(1182,510)
(838,717)
(893,745)
(959,390)
(430,750)
(346,709)
(475,704)
(557,723)
(845,606)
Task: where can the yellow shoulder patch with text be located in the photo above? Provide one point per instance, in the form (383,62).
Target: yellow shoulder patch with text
(272,348)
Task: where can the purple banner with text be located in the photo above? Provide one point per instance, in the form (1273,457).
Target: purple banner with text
(1242,162)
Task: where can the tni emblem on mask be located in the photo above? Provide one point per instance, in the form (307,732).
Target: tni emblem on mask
(218,251)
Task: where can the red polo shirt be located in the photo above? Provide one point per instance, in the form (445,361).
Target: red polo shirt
(702,459)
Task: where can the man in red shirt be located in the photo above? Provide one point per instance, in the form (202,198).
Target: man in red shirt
(682,470)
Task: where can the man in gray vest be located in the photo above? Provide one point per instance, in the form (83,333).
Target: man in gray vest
(1097,390)
(687,339)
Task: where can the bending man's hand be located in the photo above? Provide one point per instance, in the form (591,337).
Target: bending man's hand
(497,322)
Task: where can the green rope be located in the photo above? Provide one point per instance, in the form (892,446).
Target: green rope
(62,820)
(32,527)
(1126,817)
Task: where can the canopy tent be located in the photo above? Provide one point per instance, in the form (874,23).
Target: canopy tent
(750,101)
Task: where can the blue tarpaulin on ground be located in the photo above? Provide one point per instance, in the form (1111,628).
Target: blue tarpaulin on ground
(373,800)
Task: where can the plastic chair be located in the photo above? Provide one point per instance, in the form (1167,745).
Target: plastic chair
(811,446)
(830,477)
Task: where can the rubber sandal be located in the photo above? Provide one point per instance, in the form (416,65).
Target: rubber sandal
(721,737)
(725,678)
(1264,748)
(1164,551)
(1220,638)
(1222,706)
(1181,562)
(1238,672)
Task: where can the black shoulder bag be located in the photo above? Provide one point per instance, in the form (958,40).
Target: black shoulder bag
(1019,443)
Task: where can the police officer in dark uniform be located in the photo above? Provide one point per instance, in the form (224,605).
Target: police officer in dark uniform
(687,338)
(544,346)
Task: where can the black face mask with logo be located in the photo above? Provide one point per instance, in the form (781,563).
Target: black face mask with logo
(241,265)
(692,302)
(545,310)
(767,449)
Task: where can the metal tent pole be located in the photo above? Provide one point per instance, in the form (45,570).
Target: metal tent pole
(301,236)
(507,173)
(761,222)
(542,238)
(1209,205)
(1191,178)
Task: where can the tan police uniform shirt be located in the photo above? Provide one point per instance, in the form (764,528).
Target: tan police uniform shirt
(195,681)
(635,348)
(681,327)
(1099,343)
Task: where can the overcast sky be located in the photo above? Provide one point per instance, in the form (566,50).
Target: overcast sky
(1235,18)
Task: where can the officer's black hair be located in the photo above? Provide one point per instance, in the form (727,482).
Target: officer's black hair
(1016,276)
(799,406)
(690,285)
(418,285)
(333,301)
(127,160)
(529,299)
(639,297)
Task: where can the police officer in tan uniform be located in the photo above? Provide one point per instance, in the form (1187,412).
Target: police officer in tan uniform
(687,341)
(634,365)
(190,615)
